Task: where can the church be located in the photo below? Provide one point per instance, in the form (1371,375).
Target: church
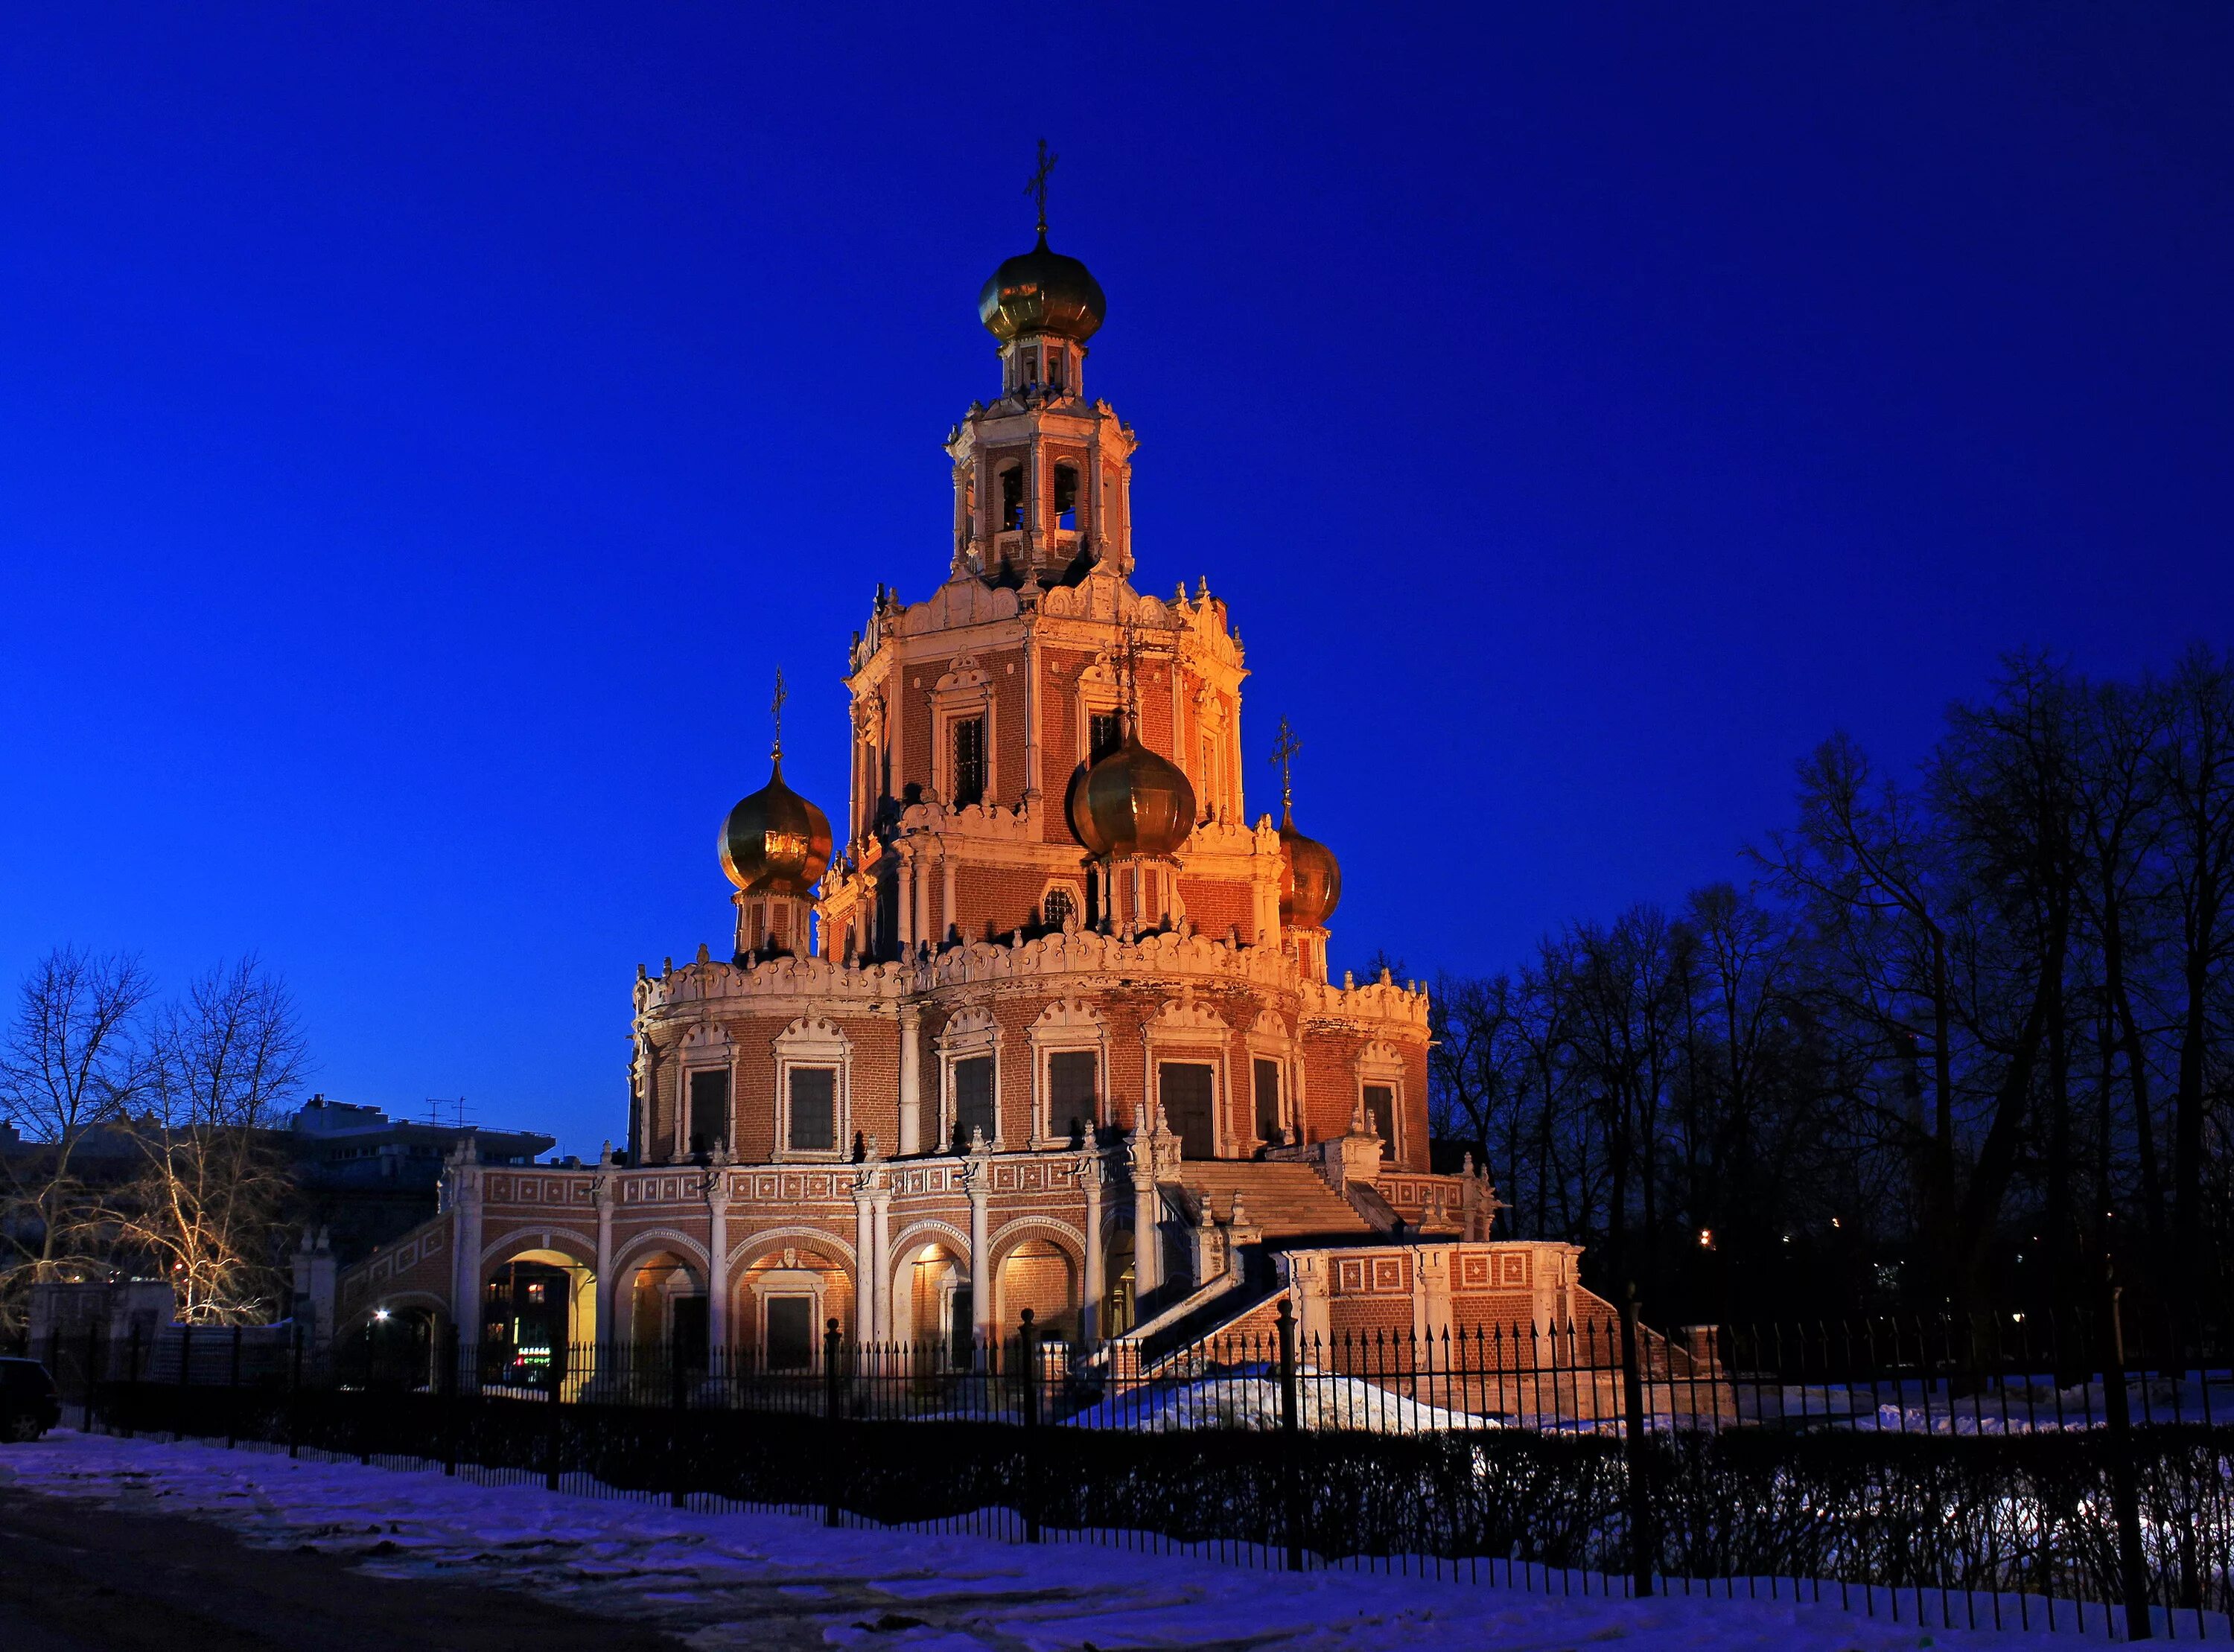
(1045,1022)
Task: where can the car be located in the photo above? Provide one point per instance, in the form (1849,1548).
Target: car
(29,1403)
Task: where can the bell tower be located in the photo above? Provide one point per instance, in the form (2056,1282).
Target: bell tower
(1043,478)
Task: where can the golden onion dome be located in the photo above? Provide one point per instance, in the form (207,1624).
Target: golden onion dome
(1040,291)
(1132,802)
(775,842)
(1310,879)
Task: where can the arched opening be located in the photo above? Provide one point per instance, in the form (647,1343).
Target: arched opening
(1038,1274)
(666,1308)
(931,1304)
(398,1348)
(1066,498)
(1118,1312)
(538,1319)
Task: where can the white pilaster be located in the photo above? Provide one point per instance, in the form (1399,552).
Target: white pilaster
(717,1257)
(910,1080)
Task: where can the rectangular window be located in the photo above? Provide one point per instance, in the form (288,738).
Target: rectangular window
(1185,1089)
(710,1109)
(814,1109)
(1071,1075)
(973,1097)
(1104,734)
(790,1333)
(1268,1100)
(969,761)
(1380,1107)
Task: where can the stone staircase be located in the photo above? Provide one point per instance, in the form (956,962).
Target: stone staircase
(1288,1204)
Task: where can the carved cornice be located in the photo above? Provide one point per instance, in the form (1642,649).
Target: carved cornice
(1052,962)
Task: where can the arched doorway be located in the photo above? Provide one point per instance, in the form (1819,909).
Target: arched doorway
(664,1314)
(398,1348)
(1038,1274)
(538,1320)
(931,1304)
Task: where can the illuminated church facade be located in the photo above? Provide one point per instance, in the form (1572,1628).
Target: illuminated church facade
(1050,1026)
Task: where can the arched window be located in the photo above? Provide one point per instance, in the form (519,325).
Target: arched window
(1066,498)
(1012,499)
(1056,908)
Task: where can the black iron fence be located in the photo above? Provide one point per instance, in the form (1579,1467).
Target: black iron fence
(2066,1471)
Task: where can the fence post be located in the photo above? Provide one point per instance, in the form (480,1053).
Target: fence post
(1028,1351)
(451,1347)
(2124,1492)
(1635,1449)
(675,1397)
(560,1350)
(92,1366)
(1291,1478)
(233,1396)
(833,1397)
(295,1398)
(132,1382)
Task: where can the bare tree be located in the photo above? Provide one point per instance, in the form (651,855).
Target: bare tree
(225,1062)
(69,1064)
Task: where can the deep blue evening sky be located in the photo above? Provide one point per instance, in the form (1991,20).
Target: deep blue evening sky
(422,430)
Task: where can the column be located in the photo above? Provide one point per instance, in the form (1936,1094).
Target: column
(1089,1299)
(602,1191)
(867,1285)
(946,916)
(907,902)
(910,1080)
(1148,1205)
(466,1236)
(1028,793)
(981,1262)
(717,1258)
(882,1234)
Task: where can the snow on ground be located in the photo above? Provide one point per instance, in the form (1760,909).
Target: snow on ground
(734,1580)
(1249,1397)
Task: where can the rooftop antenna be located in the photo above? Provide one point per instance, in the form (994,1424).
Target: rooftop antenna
(775,712)
(1285,747)
(1037,188)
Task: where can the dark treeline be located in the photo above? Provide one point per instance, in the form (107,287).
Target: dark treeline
(1948,1041)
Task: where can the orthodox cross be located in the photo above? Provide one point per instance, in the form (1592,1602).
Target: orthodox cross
(1037,188)
(1285,746)
(775,711)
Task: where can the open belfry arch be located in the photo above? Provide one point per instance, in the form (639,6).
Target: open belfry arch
(1048,1022)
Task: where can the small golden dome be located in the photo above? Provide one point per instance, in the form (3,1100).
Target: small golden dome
(1310,879)
(775,842)
(1132,802)
(1040,291)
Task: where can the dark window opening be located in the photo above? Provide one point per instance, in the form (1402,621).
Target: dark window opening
(710,1109)
(1104,734)
(1056,908)
(969,761)
(962,1327)
(1055,362)
(1268,1100)
(689,1333)
(1031,367)
(1186,1088)
(790,1333)
(1071,1084)
(1380,1107)
(973,1099)
(814,1109)
(1066,498)
(1012,499)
